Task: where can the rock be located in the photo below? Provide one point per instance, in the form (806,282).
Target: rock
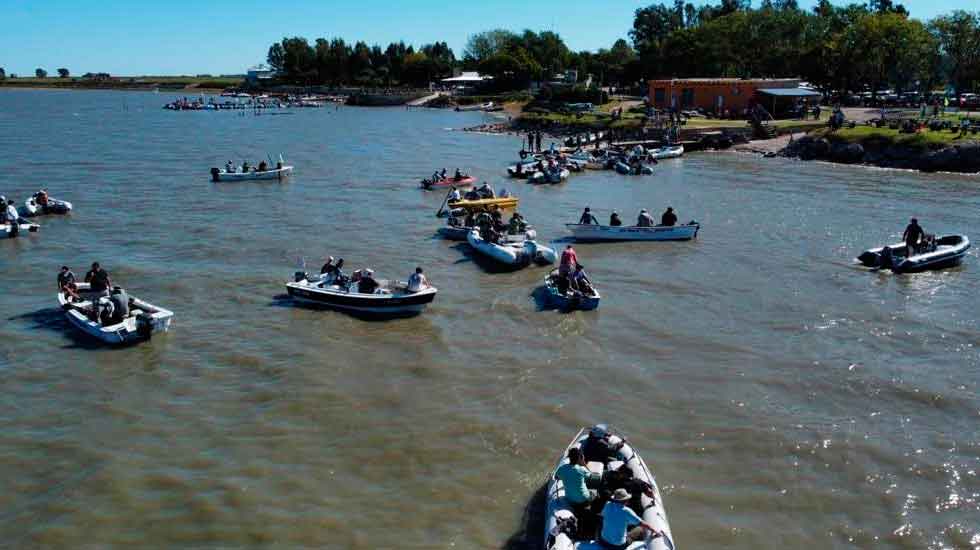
(947,159)
(969,156)
(847,153)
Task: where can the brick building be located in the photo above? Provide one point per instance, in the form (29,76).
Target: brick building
(718,94)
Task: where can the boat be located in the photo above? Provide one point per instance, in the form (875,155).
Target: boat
(23,228)
(569,299)
(559,521)
(391,298)
(518,254)
(31,207)
(939,253)
(593,232)
(668,152)
(488,106)
(143,321)
(220,175)
(628,170)
(447,182)
(461,233)
(503,203)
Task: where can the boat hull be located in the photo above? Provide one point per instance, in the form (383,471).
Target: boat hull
(231,177)
(24,228)
(479,204)
(380,304)
(31,208)
(667,152)
(599,233)
(512,254)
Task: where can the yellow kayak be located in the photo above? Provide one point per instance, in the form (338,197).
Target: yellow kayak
(502,203)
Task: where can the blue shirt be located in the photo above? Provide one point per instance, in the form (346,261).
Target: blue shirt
(573,478)
(616,521)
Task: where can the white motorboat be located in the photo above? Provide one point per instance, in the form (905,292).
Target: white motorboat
(944,251)
(23,228)
(560,521)
(668,152)
(33,208)
(593,232)
(517,254)
(221,175)
(390,298)
(144,319)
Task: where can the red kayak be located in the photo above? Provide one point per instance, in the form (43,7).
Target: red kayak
(446,182)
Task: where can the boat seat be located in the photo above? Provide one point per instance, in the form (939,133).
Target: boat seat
(614,465)
(596,467)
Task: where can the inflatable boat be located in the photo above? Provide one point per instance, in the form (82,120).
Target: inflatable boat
(447,182)
(628,170)
(23,228)
(668,152)
(561,526)
(592,232)
(569,299)
(510,253)
(942,252)
(31,207)
(143,321)
(391,297)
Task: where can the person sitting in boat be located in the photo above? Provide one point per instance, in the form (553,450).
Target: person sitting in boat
(339,278)
(245,167)
(41,197)
(587,217)
(668,218)
(279,165)
(435,177)
(516,225)
(913,232)
(229,168)
(417,281)
(580,281)
(614,219)
(65,276)
(470,219)
(263,166)
(486,191)
(598,447)
(644,219)
(104,311)
(328,268)
(504,193)
(120,304)
(623,478)
(13,218)
(367,284)
(472,195)
(519,171)
(71,292)
(98,278)
(458,175)
(454,195)
(575,476)
(617,519)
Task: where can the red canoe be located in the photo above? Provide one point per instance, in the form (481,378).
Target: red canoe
(467,180)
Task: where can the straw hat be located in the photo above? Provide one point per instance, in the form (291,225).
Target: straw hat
(620,495)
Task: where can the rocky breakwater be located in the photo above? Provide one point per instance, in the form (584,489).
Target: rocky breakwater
(959,157)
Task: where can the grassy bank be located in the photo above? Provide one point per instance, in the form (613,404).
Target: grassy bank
(125,83)
(869,136)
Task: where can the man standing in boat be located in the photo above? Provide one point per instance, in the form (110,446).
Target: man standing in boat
(913,233)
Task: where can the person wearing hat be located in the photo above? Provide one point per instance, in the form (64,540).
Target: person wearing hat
(367,284)
(587,218)
(614,219)
(598,447)
(669,218)
(644,219)
(617,519)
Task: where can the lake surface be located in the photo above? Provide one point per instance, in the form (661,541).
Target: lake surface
(783,398)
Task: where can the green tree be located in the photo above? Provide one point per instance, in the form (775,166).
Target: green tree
(40,73)
(484,45)
(3,73)
(63,73)
(958,37)
(276,58)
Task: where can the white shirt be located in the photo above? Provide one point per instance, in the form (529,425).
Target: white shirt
(455,195)
(12,214)
(417,282)
(616,521)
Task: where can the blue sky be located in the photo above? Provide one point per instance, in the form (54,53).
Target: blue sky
(226,36)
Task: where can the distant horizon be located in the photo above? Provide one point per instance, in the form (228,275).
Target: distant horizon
(225,38)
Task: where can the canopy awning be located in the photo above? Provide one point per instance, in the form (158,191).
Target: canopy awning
(789,92)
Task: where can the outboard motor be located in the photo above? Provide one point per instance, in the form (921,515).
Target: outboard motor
(214,174)
(144,325)
(886,260)
(299,276)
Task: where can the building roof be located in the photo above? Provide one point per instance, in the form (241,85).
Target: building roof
(467,76)
(789,92)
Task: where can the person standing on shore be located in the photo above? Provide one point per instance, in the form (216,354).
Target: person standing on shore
(537,144)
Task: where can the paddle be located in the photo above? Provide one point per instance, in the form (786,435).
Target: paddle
(444,202)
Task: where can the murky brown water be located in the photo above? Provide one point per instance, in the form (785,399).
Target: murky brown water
(782,397)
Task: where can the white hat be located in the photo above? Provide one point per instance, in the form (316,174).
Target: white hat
(620,495)
(329,258)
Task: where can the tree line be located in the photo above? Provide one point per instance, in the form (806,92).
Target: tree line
(847,48)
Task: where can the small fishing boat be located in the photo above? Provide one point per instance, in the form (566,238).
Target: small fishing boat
(560,521)
(447,182)
(32,208)
(503,203)
(6,229)
(627,170)
(221,175)
(569,299)
(391,297)
(518,253)
(549,176)
(143,321)
(668,152)
(593,232)
(939,253)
